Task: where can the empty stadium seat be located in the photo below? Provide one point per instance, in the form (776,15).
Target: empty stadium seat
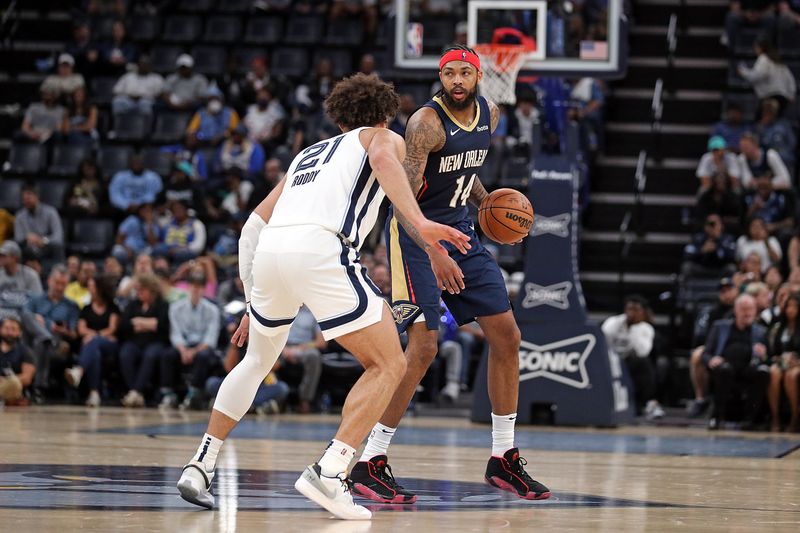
(234,6)
(66,158)
(157,161)
(345,32)
(439,33)
(91,237)
(11,194)
(245,57)
(304,30)
(144,28)
(27,158)
(225,29)
(130,127)
(182,28)
(209,60)
(263,30)
(341,61)
(789,42)
(292,62)
(53,192)
(102,90)
(744,40)
(163,57)
(101,27)
(420,91)
(113,159)
(514,172)
(197,6)
(170,127)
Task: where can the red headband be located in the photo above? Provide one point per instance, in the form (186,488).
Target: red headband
(460,55)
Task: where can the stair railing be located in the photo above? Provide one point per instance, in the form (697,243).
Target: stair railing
(633,220)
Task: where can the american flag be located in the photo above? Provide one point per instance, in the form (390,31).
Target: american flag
(594,50)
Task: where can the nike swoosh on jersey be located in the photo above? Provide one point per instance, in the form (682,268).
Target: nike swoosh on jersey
(453,132)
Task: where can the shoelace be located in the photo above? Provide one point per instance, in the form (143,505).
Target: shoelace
(519,465)
(388,476)
(345,481)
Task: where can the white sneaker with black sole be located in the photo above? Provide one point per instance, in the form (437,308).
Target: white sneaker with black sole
(332,493)
(195,484)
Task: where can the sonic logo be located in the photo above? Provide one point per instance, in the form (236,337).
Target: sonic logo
(562,361)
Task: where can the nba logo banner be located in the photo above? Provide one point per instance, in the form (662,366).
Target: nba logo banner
(414,40)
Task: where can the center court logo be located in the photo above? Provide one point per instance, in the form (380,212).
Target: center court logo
(553,295)
(557,225)
(562,361)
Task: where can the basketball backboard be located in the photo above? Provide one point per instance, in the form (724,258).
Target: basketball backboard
(569,38)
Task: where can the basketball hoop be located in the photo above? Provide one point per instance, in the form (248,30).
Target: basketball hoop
(500,64)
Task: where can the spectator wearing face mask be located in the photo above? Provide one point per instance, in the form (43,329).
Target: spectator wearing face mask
(264,119)
(213,122)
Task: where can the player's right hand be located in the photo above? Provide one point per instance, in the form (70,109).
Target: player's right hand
(432,233)
(240,335)
(448,274)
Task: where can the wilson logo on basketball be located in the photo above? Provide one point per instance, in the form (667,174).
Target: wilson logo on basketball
(524,222)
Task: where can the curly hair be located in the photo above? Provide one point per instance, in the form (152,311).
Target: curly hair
(362,100)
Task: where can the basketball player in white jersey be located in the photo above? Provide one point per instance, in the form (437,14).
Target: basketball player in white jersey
(308,233)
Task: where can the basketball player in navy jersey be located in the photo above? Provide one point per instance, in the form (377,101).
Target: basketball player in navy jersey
(447,141)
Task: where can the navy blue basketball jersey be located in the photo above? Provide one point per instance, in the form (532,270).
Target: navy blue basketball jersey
(450,172)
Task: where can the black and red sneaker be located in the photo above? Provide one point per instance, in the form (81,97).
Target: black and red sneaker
(373,479)
(508,473)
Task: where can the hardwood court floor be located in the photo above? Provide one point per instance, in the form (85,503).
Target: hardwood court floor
(69,469)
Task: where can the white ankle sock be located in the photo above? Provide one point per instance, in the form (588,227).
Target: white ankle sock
(502,433)
(336,459)
(378,442)
(207,452)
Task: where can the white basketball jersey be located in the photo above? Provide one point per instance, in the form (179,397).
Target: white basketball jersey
(331,184)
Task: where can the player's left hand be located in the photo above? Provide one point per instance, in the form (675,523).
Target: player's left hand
(239,337)
(448,274)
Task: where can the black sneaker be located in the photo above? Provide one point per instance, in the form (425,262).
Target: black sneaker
(697,408)
(373,480)
(508,473)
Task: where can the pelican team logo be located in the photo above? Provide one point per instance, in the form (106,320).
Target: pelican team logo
(404,311)
(553,295)
(557,225)
(562,361)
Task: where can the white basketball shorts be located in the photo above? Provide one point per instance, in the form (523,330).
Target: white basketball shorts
(296,265)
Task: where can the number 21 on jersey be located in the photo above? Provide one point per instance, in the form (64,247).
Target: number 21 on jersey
(462,193)
(310,160)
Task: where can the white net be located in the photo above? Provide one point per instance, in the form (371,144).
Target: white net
(500,64)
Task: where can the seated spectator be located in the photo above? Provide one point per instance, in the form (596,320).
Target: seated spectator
(18,282)
(630,335)
(763,297)
(202,266)
(42,119)
(380,276)
(717,161)
(310,94)
(259,77)
(366,10)
(404,112)
(118,52)
(783,346)
(793,252)
(133,187)
(83,49)
(239,151)
(271,394)
(50,320)
(758,241)
(304,347)
(773,278)
(589,96)
(137,234)
(73,267)
(17,365)
(65,81)
(366,65)
(273,173)
(775,208)
(776,132)
(144,334)
(748,13)
(86,196)
(722,200)
(264,120)
(769,76)
(113,269)
(235,197)
(451,351)
(750,270)
(37,227)
(97,329)
(522,121)
(184,237)
(194,332)
(735,355)
(143,265)
(788,15)
(189,151)
(78,290)
(138,90)
(707,316)
(731,127)
(710,251)
(212,123)
(756,161)
(184,90)
(107,7)
(80,121)
(182,187)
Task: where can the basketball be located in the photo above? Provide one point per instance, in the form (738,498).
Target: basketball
(506,216)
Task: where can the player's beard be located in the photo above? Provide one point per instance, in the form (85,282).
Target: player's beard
(460,105)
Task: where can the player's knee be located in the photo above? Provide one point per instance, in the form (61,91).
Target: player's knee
(423,351)
(506,342)
(697,355)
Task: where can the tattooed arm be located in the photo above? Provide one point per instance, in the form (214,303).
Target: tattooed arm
(494,111)
(478,192)
(424,134)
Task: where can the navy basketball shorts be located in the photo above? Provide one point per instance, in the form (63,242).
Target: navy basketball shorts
(414,288)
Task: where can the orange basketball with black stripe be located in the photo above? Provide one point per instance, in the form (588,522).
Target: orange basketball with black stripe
(505,216)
